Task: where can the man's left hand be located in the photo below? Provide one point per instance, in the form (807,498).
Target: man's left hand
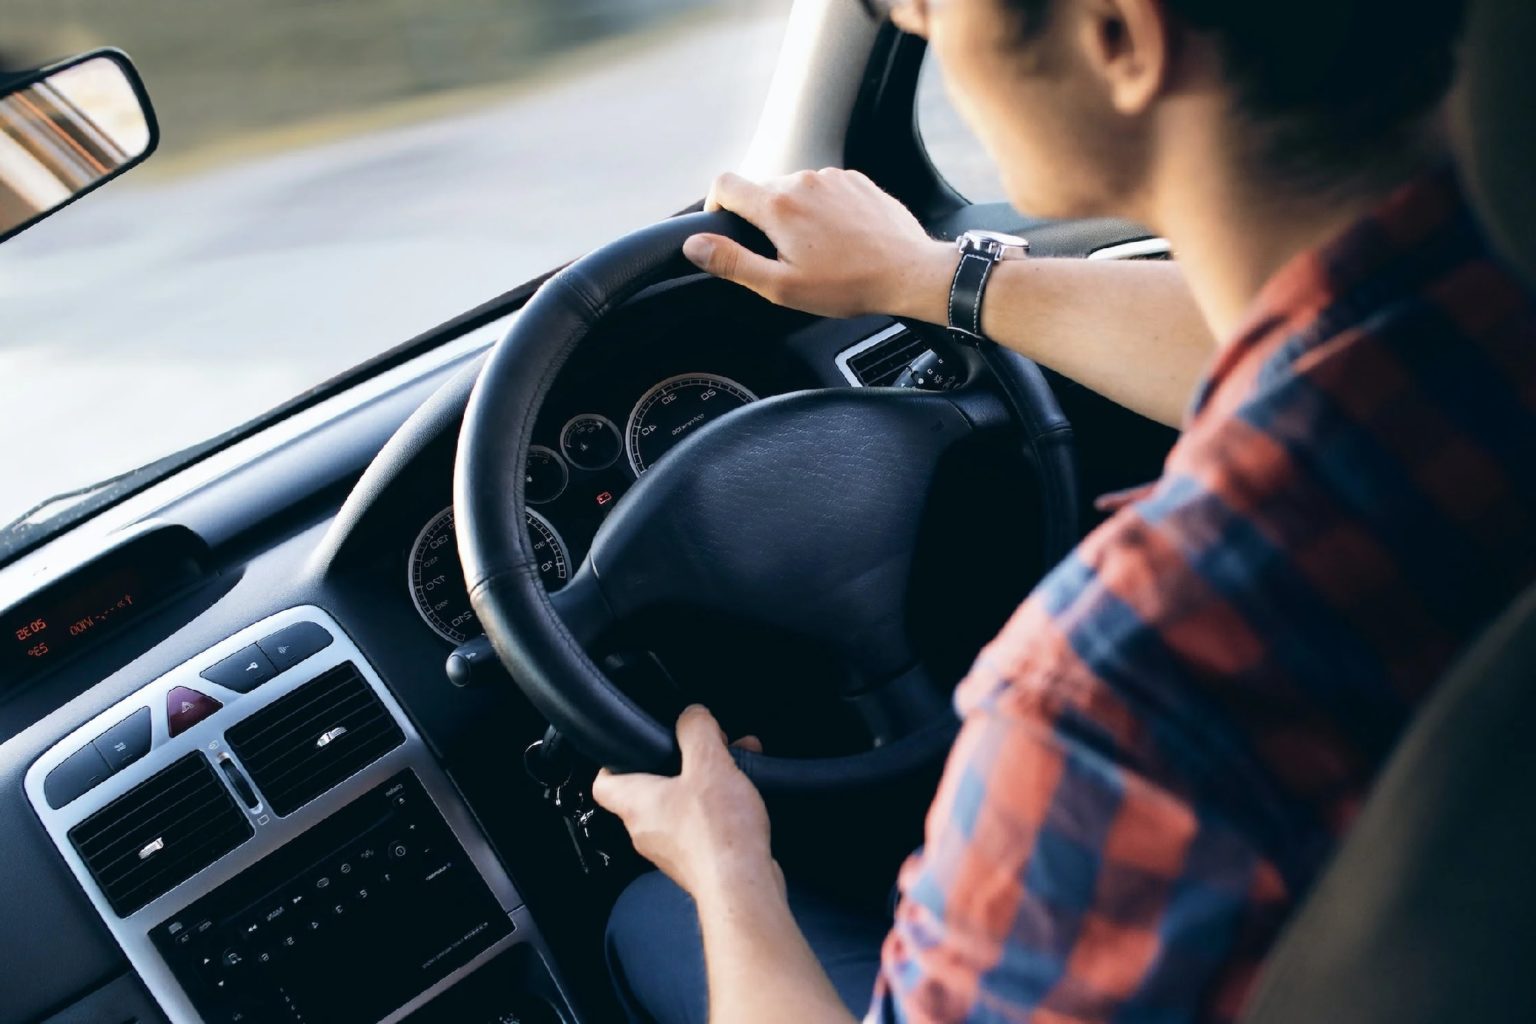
(706,828)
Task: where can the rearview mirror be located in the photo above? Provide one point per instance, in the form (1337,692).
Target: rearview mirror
(67,129)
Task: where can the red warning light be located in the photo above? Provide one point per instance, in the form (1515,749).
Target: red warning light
(605,498)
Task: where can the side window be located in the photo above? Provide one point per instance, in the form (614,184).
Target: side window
(956,153)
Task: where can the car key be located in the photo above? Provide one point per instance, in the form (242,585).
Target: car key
(580,817)
(548,765)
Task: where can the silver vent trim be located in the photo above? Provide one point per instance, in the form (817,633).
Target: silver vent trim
(846,356)
(1139,249)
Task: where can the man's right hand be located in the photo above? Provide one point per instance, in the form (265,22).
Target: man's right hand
(845,247)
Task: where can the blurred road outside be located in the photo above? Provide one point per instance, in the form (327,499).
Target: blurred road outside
(183,300)
(232,272)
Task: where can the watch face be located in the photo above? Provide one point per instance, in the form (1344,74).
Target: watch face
(998,237)
(992,243)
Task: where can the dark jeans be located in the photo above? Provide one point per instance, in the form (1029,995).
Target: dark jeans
(657,959)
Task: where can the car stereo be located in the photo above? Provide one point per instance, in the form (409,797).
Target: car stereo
(347,922)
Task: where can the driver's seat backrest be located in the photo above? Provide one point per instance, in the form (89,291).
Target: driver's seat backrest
(1428,912)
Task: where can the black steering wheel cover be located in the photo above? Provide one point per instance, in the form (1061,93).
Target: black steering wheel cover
(1052,445)
(545,659)
(499,567)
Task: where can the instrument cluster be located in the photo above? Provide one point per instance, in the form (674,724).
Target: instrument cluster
(580,467)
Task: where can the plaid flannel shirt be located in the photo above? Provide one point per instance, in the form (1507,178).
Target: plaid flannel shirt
(1164,745)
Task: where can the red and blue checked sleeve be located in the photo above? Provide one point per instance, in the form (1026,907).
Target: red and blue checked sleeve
(1055,887)
(1080,862)
(1161,749)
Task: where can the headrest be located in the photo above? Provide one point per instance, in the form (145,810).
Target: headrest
(1493,110)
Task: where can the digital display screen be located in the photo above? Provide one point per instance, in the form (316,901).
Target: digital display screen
(81,611)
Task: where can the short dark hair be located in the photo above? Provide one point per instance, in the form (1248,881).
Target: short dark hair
(1332,84)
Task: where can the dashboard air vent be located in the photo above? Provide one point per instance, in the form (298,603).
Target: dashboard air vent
(302,744)
(879,364)
(1136,249)
(160,833)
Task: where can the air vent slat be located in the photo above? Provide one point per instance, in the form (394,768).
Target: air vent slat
(367,751)
(156,827)
(880,365)
(307,752)
(320,717)
(160,833)
(307,704)
(127,874)
(184,789)
(137,883)
(306,742)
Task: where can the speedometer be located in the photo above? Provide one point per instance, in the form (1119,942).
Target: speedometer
(675,408)
(437,579)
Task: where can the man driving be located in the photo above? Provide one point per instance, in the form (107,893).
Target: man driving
(1167,741)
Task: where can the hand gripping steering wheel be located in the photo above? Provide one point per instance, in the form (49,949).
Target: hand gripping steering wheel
(798,512)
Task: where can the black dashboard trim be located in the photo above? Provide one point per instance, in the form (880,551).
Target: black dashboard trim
(434,424)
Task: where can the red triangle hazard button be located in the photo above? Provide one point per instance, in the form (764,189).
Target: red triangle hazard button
(185,707)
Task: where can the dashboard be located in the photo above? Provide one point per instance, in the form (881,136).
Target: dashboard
(324,556)
(271,814)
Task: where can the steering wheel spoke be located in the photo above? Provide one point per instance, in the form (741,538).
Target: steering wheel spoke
(983,408)
(583,608)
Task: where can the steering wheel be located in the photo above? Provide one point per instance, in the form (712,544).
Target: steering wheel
(798,512)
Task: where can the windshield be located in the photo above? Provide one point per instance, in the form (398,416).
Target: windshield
(333,179)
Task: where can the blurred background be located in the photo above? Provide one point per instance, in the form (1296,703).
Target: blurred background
(221,69)
(334,177)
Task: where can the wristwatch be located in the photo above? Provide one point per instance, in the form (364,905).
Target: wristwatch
(979,250)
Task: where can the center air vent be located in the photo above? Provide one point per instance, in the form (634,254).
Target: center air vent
(160,833)
(301,745)
(878,362)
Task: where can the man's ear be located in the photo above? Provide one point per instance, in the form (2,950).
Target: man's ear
(1128,43)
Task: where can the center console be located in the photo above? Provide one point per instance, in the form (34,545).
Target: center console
(269,840)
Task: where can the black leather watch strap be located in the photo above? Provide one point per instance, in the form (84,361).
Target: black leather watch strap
(965,293)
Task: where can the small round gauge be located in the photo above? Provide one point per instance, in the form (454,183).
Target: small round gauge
(675,408)
(550,552)
(437,580)
(546,475)
(590,441)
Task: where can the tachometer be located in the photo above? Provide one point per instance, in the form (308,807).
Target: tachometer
(437,581)
(675,408)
